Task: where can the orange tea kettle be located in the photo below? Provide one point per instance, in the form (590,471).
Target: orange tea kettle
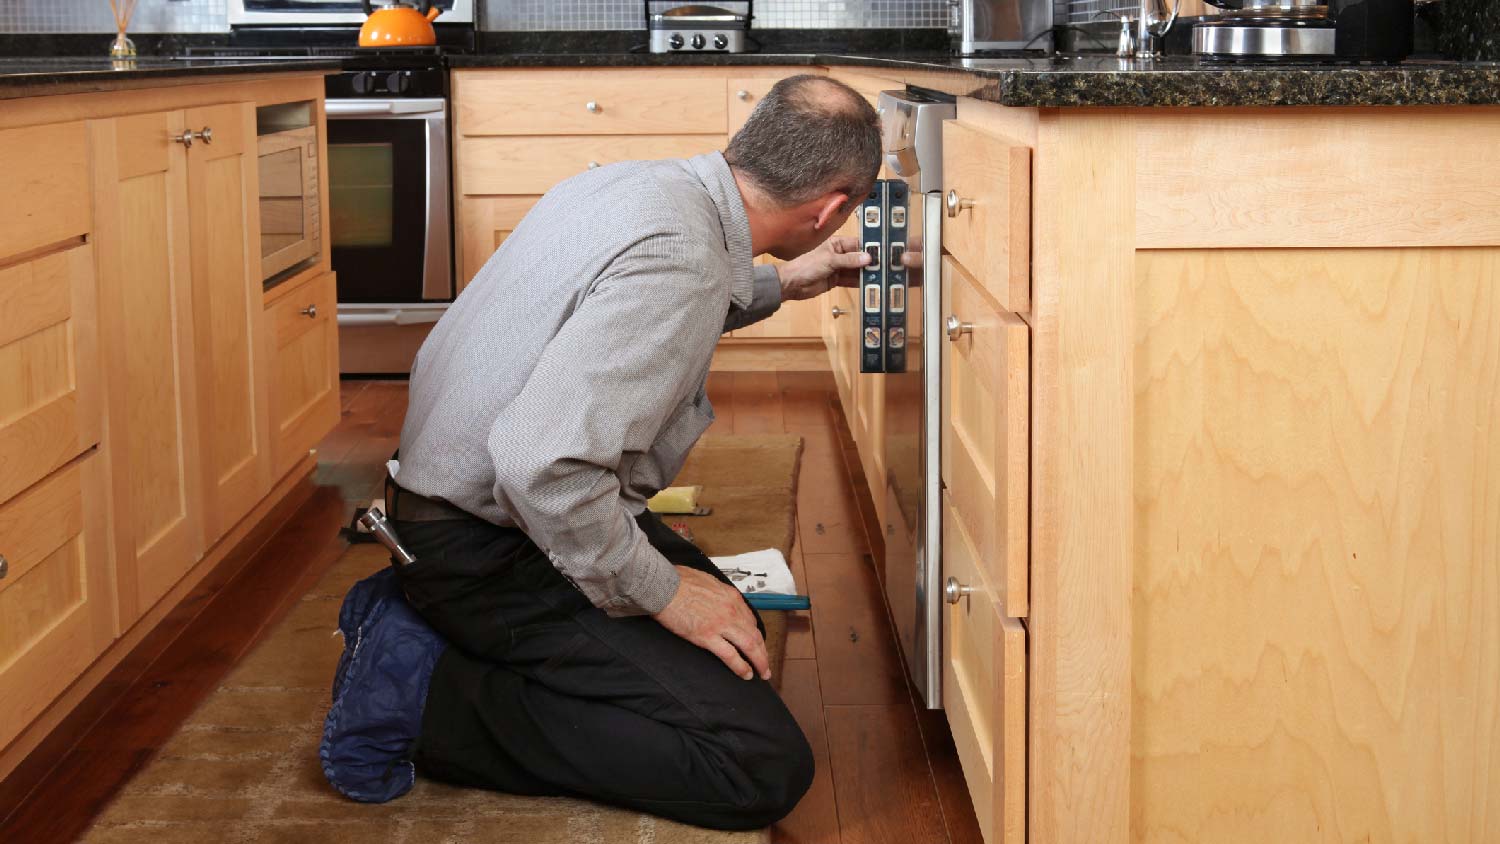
(399,24)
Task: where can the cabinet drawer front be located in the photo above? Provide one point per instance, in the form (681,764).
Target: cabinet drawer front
(304,394)
(558,103)
(992,235)
(45,183)
(511,166)
(56,612)
(49,401)
(984,691)
(986,433)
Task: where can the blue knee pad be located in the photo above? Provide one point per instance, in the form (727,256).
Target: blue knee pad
(379,692)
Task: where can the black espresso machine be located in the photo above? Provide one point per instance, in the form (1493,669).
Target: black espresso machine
(1307,30)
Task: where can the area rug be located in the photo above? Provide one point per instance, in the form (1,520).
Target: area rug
(244,766)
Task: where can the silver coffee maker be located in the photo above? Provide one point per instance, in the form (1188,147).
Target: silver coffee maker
(980,26)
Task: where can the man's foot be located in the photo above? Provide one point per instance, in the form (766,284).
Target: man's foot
(379,691)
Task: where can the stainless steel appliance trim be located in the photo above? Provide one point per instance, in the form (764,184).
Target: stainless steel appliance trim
(437,260)
(930,588)
(1269,41)
(391,313)
(979,25)
(462,12)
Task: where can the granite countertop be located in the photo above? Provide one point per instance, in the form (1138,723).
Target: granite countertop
(37,77)
(1104,81)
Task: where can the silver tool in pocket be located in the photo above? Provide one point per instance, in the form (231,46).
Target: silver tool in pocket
(376,523)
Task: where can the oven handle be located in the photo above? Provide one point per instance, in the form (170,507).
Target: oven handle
(370,108)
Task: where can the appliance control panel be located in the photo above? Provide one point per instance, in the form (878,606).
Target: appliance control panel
(385,84)
(694,40)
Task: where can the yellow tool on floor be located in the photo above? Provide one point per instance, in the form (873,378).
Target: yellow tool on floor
(678,501)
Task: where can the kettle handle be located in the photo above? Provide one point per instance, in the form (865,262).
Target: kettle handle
(425,7)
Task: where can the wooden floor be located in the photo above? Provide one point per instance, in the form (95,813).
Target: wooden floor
(887,770)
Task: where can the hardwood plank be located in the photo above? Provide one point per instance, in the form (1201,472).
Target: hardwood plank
(799,630)
(881,781)
(827,515)
(720,390)
(757,403)
(857,659)
(816,818)
(948,776)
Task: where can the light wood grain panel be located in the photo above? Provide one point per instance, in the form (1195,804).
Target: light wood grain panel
(992,237)
(1317,177)
(304,360)
(986,410)
(224,234)
(984,689)
(554,102)
(1317,505)
(45,185)
(56,605)
(49,397)
(1017,124)
(1081,482)
(484,222)
(522,166)
(141,215)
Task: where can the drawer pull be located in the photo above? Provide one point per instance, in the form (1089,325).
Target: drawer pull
(311,312)
(957,204)
(593,165)
(953,591)
(838,312)
(186,138)
(742,94)
(206,136)
(4,567)
(593,107)
(958,328)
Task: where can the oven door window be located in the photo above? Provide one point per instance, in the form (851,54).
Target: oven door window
(377,200)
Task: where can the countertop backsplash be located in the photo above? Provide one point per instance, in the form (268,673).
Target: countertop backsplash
(578,15)
(24,16)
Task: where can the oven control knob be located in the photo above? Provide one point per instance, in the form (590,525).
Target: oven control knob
(362,82)
(398,82)
(697,42)
(675,42)
(721,41)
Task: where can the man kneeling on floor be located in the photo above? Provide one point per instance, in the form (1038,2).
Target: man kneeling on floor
(594,652)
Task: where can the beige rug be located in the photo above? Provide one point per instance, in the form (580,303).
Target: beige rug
(244,768)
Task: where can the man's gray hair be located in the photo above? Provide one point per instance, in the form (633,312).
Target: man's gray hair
(809,136)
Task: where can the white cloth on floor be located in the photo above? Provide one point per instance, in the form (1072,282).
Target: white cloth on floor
(768,572)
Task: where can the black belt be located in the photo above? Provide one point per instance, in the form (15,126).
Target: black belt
(407,506)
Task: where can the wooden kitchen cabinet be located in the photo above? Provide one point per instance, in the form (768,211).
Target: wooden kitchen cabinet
(150,357)
(224,244)
(302,343)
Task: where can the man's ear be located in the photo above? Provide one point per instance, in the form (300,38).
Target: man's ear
(829,208)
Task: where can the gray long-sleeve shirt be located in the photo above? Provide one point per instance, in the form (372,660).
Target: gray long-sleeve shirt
(565,385)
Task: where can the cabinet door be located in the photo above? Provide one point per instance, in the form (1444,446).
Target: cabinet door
(141,237)
(56,607)
(224,237)
(304,370)
(484,222)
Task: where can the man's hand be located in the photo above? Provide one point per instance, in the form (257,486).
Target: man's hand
(713,616)
(836,263)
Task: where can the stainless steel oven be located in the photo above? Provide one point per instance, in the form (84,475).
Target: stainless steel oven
(389,205)
(310,12)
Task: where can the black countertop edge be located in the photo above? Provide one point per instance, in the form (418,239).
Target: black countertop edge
(48,77)
(1105,81)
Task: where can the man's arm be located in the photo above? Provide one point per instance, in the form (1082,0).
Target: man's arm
(766,301)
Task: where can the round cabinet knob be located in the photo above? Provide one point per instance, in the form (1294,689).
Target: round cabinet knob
(698,42)
(958,328)
(593,165)
(186,138)
(838,312)
(675,42)
(206,136)
(742,94)
(721,42)
(957,204)
(311,311)
(4,567)
(953,591)
(593,107)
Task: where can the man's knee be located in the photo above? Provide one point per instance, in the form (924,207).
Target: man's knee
(782,773)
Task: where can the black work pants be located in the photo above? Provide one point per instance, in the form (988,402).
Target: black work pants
(543,694)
